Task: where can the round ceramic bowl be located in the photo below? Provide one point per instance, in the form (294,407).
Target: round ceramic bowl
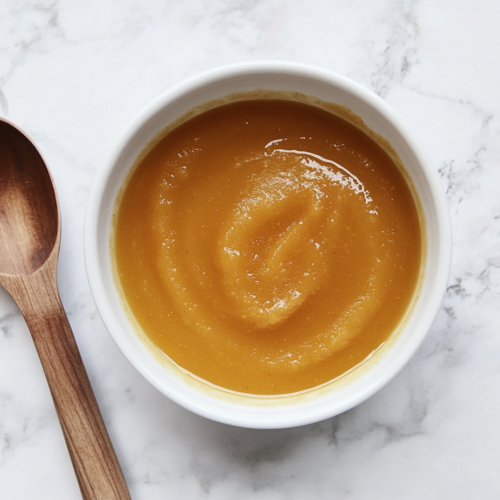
(197,395)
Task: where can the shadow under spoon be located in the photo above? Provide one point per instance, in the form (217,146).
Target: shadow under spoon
(30,233)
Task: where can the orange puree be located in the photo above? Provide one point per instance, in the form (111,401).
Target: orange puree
(267,246)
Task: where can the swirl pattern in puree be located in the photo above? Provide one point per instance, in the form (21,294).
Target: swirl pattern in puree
(267,246)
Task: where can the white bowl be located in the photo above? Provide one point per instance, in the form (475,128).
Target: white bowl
(203,398)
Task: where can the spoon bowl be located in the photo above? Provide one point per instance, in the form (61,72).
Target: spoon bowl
(30,233)
(29,215)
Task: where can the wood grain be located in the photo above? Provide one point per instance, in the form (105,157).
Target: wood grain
(29,215)
(29,247)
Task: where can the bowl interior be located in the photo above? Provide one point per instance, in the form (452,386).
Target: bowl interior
(195,395)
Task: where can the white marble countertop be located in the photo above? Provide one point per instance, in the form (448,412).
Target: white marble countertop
(73,75)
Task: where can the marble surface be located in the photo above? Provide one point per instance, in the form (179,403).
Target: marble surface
(73,73)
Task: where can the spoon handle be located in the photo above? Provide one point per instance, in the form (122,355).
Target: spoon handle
(94,460)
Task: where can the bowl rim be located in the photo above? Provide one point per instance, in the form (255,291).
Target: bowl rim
(97,286)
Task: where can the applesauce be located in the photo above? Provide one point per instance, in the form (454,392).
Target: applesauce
(267,246)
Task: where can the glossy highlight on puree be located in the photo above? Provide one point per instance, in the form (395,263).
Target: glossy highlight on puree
(267,246)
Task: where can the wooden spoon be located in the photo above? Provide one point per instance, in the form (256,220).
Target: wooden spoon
(30,234)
